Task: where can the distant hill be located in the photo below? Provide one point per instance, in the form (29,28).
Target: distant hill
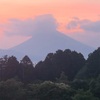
(43,43)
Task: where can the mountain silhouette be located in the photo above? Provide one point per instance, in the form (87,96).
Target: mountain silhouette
(43,43)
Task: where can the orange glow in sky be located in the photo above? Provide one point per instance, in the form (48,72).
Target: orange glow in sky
(62,10)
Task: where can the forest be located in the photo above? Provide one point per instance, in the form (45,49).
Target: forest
(63,75)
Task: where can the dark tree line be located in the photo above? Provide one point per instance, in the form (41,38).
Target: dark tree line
(63,75)
(11,68)
(69,62)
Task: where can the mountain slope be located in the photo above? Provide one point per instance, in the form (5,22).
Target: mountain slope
(9,52)
(45,42)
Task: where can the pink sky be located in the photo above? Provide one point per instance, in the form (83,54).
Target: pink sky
(63,11)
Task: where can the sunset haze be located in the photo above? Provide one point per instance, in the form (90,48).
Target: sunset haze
(63,11)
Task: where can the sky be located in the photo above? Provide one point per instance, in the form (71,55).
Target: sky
(79,19)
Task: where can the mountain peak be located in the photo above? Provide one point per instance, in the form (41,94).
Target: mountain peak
(41,44)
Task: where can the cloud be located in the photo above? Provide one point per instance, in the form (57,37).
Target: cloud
(90,33)
(47,24)
(72,25)
(29,27)
(16,31)
(85,25)
(91,26)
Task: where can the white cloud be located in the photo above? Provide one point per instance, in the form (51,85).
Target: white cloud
(30,26)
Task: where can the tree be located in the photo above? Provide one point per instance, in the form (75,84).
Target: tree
(95,86)
(92,66)
(27,69)
(3,63)
(69,62)
(50,91)
(12,68)
(81,95)
(63,78)
(26,61)
(12,90)
(80,84)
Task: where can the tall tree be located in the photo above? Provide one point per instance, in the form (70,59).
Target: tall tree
(3,63)
(92,66)
(12,68)
(27,69)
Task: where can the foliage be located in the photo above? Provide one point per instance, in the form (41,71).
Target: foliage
(64,75)
(26,69)
(84,95)
(63,78)
(11,90)
(92,66)
(69,62)
(80,84)
(50,91)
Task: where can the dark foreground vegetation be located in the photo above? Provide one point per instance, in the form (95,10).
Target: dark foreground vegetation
(64,75)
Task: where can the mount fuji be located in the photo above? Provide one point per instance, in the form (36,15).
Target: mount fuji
(43,43)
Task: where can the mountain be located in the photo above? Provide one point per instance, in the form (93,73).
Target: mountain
(43,43)
(10,53)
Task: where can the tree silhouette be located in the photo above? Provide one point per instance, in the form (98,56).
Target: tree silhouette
(11,68)
(69,62)
(27,69)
